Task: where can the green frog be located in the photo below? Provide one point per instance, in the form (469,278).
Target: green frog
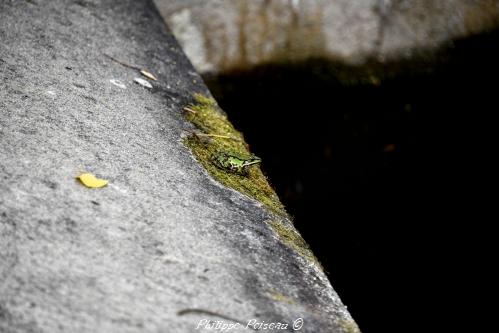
(233,163)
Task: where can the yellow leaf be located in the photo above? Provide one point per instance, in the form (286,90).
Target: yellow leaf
(148,75)
(91,181)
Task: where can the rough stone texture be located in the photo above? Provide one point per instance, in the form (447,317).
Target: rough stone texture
(163,236)
(224,35)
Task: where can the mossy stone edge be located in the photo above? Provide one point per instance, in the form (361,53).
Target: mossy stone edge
(217,134)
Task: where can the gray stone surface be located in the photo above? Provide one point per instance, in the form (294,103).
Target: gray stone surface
(224,35)
(162,238)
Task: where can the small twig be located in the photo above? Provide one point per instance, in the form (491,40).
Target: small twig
(142,71)
(217,136)
(122,62)
(189,110)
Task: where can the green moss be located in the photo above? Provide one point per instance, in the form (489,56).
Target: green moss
(291,238)
(218,135)
(349,326)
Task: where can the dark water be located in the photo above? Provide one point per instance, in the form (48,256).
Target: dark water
(378,177)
